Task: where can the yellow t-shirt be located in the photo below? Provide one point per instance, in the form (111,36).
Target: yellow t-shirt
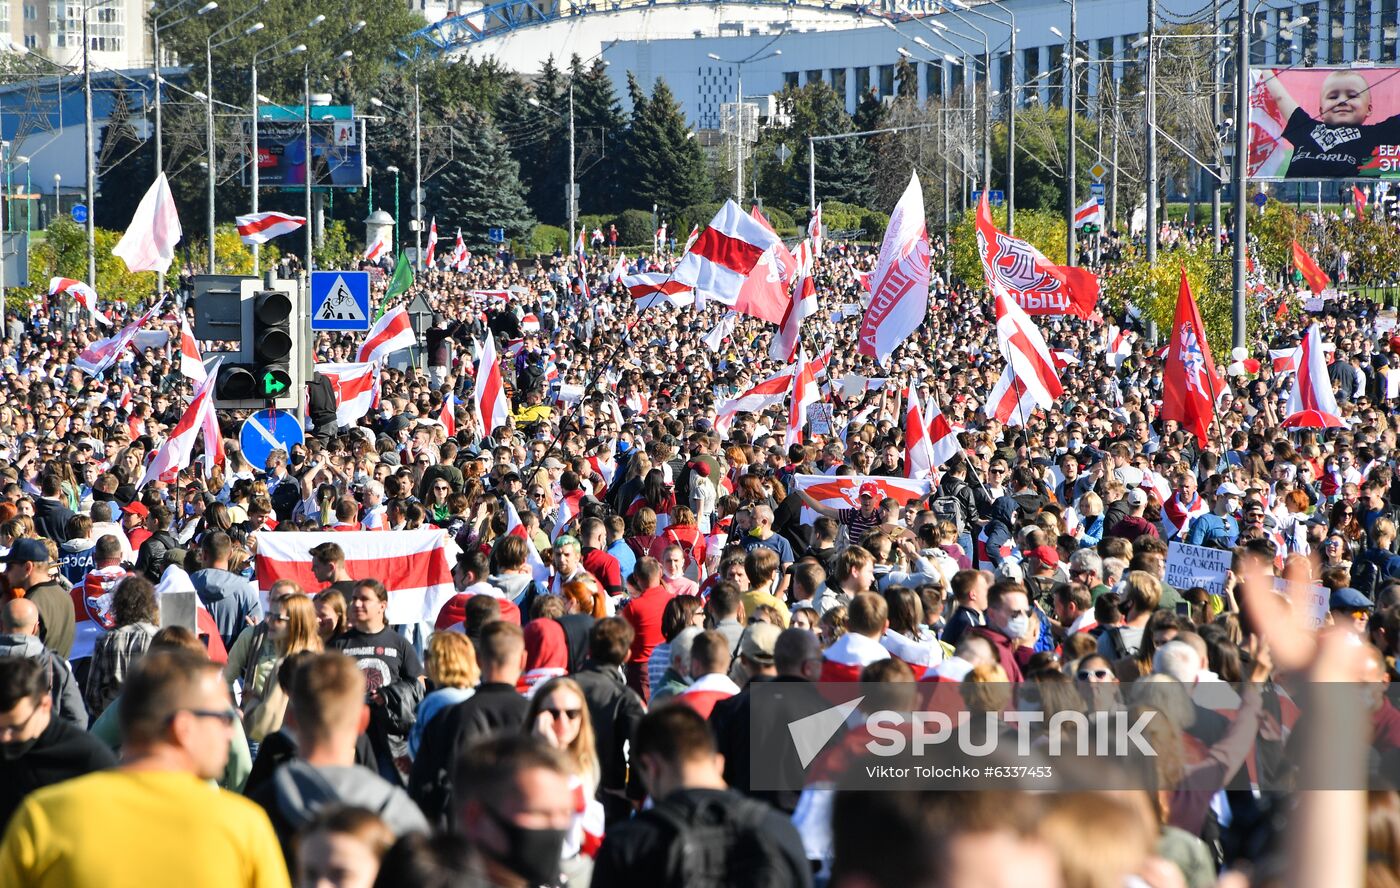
(754,597)
(122,829)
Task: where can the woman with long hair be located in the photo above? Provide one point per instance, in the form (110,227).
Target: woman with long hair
(656,495)
(641,532)
(682,531)
(680,612)
(331,614)
(559,715)
(453,675)
(292,628)
(907,638)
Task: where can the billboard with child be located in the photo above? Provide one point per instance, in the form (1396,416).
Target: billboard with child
(1324,123)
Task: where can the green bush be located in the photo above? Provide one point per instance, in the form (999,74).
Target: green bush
(599,221)
(634,228)
(547,239)
(778,218)
(838,216)
(874,222)
(696,214)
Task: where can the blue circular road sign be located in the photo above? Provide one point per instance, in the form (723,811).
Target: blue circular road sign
(79,213)
(269,430)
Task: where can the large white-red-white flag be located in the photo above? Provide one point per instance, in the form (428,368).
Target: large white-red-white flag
(174,454)
(804,393)
(1010,403)
(191,362)
(658,288)
(929,439)
(1311,402)
(1027,356)
(84,295)
(150,239)
(391,333)
(99,356)
(489,396)
(259,228)
(356,388)
(802,304)
(843,491)
(415,566)
(432,244)
(514,526)
(722,257)
(899,286)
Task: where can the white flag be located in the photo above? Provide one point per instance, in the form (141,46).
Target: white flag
(150,239)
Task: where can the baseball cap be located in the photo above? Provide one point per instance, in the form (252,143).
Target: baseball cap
(1228,489)
(1045,554)
(758,641)
(27,550)
(1136,497)
(136,508)
(870,488)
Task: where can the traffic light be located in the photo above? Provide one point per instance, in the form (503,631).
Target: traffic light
(270,349)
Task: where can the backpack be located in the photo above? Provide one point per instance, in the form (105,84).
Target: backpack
(692,563)
(722,844)
(948,508)
(1365,576)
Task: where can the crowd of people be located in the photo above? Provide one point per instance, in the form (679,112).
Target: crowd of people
(581,710)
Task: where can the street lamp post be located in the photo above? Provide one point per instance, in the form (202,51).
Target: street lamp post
(57,184)
(398,233)
(1150,168)
(739,113)
(28,201)
(1241,172)
(209,47)
(1072,154)
(90,172)
(256,172)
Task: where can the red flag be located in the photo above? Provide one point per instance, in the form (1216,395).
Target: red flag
(1316,278)
(1039,287)
(1190,384)
(1359,198)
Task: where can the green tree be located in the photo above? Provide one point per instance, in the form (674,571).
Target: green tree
(665,163)
(1154,288)
(811,110)
(125,167)
(872,114)
(481,188)
(63,253)
(599,128)
(1041,161)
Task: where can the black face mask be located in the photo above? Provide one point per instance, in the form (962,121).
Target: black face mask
(532,854)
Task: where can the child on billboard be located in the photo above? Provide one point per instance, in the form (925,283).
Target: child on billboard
(1337,143)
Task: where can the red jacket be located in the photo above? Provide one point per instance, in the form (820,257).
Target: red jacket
(644,614)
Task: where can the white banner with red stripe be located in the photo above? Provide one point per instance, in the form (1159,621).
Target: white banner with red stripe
(259,228)
(356,389)
(413,565)
(843,491)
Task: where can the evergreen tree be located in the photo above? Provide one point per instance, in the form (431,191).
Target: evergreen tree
(841,172)
(481,188)
(598,134)
(665,163)
(540,142)
(871,114)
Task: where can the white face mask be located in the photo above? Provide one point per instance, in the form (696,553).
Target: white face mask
(1017,626)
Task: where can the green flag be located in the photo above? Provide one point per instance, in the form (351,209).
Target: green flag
(399,283)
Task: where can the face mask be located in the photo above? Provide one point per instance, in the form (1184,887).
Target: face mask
(189,509)
(1075,443)
(532,854)
(1016,626)
(16,750)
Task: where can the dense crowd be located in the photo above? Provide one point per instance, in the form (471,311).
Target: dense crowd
(589,718)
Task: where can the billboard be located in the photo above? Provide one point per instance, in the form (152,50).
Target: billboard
(337,147)
(1324,123)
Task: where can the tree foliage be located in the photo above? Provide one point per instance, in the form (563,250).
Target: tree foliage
(63,253)
(1153,290)
(665,164)
(480,189)
(841,168)
(1042,229)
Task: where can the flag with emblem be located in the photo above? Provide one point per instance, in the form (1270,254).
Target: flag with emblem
(1190,384)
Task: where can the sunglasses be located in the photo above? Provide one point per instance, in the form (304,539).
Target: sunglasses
(1086,674)
(570,714)
(1360,614)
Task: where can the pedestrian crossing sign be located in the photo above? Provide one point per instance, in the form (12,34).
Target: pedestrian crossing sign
(340,300)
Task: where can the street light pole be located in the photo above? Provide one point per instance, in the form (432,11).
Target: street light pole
(256,172)
(739,114)
(1237,303)
(1072,254)
(417,176)
(90,171)
(310,167)
(209,47)
(572,201)
(1010,91)
(1150,170)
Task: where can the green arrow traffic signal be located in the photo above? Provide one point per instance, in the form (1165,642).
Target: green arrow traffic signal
(274,383)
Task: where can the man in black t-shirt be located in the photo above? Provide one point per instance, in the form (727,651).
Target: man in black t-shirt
(393,676)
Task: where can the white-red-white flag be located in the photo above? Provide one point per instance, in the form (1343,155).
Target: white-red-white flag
(918,455)
(1088,213)
(714,340)
(1027,356)
(391,333)
(356,388)
(843,491)
(432,244)
(489,396)
(174,454)
(802,304)
(619,269)
(899,286)
(814,229)
(448,415)
(1010,402)
(937,433)
(209,430)
(1120,346)
(804,394)
(84,295)
(191,362)
(259,228)
(692,237)
(150,239)
(99,356)
(459,253)
(538,569)
(377,247)
(658,288)
(415,566)
(759,397)
(719,262)
(1311,402)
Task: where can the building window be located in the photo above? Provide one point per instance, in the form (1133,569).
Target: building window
(838,82)
(1030,70)
(1307,35)
(886,80)
(933,79)
(1258,27)
(812,77)
(32,42)
(1362,52)
(789,79)
(1286,36)
(1005,76)
(862,82)
(1388,15)
(957,76)
(1057,76)
(1336,31)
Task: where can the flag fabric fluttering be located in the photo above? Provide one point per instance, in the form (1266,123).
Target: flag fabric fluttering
(899,285)
(814,229)
(448,415)
(804,394)
(721,331)
(1010,402)
(150,239)
(657,288)
(259,228)
(191,362)
(356,387)
(400,283)
(1027,356)
(514,526)
(720,260)
(1358,198)
(1038,286)
(489,396)
(918,455)
(756,399)
(692,237)
(174,454)
(1316,279)
(1089,213)
(459,253)
(85,296)
(802,303)
(377,247)
(1120,346)
(101,355)
(432,244)
(391,333)
(1190,383)
(1311,402)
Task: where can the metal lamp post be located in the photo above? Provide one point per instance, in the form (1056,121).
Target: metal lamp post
(209,46)
(739,114)
(256,168)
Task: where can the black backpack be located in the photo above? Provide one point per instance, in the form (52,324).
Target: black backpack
(948,508)
(722,843)
(1365,576)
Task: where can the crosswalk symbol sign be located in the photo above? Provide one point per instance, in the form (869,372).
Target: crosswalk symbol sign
(340,300)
